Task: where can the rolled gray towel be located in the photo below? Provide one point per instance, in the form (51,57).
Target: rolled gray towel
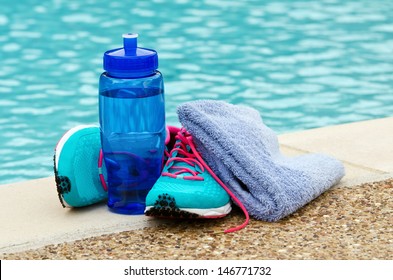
(244,153)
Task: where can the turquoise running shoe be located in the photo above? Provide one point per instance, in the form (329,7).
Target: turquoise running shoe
(76,167)
(79,167)
(186,188)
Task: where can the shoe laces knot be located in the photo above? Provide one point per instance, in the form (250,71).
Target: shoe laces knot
(182,162)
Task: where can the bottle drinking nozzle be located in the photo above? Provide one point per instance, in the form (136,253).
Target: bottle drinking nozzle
(130,43)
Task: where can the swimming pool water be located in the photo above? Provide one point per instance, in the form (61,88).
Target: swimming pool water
(302,64)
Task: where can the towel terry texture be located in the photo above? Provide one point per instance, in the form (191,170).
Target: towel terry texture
(245,155)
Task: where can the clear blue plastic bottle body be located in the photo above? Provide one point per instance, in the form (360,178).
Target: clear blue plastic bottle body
(132,119)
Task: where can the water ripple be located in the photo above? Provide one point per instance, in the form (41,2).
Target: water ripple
(79,18)
(301,63)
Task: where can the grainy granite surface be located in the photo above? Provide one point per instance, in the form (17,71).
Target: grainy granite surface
(343,223)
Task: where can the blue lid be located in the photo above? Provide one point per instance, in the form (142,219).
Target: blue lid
(130,61)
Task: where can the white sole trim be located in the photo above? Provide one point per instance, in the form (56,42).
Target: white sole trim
(65,138)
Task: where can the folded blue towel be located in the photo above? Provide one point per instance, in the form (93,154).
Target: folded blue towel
(244,153)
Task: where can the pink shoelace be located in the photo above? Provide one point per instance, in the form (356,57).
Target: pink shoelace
(197,166)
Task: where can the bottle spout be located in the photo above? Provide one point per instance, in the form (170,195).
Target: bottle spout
(130,43)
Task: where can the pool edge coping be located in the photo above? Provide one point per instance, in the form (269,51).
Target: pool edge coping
(49,223)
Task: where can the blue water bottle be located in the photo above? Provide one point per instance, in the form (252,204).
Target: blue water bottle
(132,120)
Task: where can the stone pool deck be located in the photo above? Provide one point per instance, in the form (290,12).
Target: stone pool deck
(353,220)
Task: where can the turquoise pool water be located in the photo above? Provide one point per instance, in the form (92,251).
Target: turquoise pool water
(302,64)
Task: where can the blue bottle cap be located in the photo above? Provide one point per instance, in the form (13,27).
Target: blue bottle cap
(130,61)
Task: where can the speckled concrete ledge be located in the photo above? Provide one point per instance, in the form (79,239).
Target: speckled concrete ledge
(343,223)
(352,220)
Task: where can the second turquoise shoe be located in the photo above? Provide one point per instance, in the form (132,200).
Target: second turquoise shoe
(186,189)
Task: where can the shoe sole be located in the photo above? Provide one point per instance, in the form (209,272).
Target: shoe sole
(75,167)
(165,207)
(64,139)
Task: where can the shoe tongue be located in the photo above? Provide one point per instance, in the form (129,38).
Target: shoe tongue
(185,165)
(179,163)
